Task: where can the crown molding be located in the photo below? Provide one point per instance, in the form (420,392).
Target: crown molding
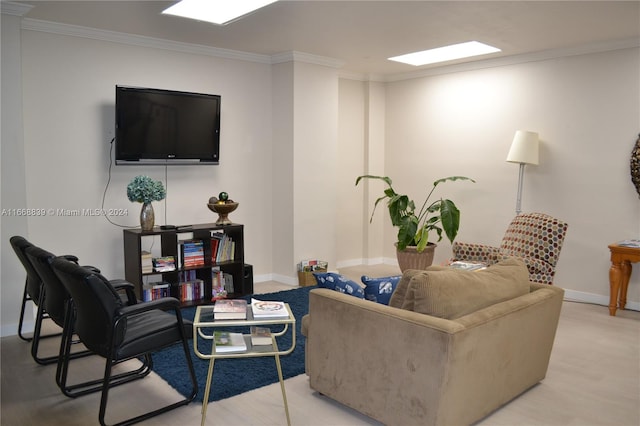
(308,58)
(157,43)
(137,40)
(14,9)
(19,9)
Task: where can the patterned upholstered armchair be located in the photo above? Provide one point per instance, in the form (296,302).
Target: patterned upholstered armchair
(535,237)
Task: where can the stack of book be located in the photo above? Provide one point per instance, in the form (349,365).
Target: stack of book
(154,291)
(191,253)
(225,309)
(146,262)
(191,290)
(630,243)
(260,336)
(227,342)
(164,264)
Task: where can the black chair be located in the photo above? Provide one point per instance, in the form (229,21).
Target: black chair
(57,302)
(120,333)
(32,292)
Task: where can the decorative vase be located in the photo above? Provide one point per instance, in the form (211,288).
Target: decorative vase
(409,258)
(223,211)
(147,217)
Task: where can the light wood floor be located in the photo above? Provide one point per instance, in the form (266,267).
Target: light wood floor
(593,379)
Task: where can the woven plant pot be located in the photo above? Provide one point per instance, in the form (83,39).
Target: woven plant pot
(409,258)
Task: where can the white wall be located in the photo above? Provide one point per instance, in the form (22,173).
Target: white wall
(349,203)
(586,110)
(283,141)
(69,114)
(314,162)
(12,167)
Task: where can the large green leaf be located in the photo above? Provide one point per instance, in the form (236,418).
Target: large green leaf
(450,217)
(414,228)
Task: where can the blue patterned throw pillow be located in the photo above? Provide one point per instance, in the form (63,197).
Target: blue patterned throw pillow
(380,289)
(337,282)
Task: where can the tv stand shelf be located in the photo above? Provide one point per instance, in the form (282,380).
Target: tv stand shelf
(169,246)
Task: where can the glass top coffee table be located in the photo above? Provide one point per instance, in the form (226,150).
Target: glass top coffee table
(204,326)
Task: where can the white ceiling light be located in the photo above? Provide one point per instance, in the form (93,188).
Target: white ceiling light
(219,12)
(447,53)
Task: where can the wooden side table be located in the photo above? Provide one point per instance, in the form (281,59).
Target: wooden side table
(619,274)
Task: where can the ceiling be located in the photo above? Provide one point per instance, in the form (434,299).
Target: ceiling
(362,34)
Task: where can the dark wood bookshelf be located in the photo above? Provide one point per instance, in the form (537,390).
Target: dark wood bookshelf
(169,246)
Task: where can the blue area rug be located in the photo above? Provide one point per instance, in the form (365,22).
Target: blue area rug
(235,376)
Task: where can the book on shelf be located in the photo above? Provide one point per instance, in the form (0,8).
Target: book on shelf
(218,290)
(227,279)
(221,281)
(468,266)
(230,309)
(260,336)
(188,275)
(227,342)
(146,262)
(191,290)
(268,309)
(191,253)
(164,264)
(155,290)
(222,247)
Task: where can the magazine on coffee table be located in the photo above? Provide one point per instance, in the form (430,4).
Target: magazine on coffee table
(227,342)
(268,309)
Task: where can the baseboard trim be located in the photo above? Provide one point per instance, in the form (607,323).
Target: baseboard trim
(595,299)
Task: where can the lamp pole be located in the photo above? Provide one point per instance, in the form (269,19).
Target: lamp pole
(519,198)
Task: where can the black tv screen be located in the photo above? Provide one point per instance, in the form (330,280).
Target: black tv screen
(155,126)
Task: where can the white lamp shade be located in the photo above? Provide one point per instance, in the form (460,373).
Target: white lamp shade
(524,148)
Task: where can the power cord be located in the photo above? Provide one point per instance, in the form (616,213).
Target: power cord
(104,194)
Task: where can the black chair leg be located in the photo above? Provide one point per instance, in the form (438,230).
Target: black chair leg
(37,336)
(146,416)
(25,299)
(84,388)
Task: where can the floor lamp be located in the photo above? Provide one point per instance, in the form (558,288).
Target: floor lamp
(524,150)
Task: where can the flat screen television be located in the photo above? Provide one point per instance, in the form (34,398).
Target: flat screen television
(155,126)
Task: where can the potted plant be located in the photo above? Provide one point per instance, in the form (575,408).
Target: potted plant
(143,189)
(414,226)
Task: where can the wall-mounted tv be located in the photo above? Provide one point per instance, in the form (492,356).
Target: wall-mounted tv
(155,126)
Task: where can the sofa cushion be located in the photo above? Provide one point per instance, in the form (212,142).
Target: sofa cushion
(337,282)
(454,293)
(379,289)
(399,294)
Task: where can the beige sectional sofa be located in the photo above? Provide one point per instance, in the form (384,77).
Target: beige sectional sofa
(403,367)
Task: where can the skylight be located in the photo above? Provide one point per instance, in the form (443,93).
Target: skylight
(219,12)
(446,53)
